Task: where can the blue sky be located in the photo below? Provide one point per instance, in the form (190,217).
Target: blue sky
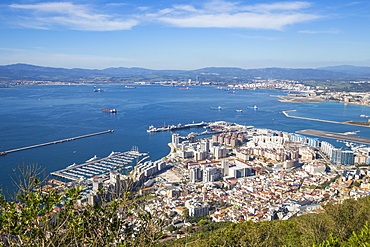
(186,34)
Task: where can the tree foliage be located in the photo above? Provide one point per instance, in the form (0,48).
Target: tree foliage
(47,218)
(345,224)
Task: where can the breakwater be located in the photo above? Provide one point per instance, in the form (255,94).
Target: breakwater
(55,142)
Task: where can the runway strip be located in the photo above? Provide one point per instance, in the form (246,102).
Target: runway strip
(333,135)
(321,120)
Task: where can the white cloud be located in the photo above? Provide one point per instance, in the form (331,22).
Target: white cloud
(223,14)
(212,14)
(282,6)
(319,32)
(220,6)
(255,37)
(185,8)
(239,20)
(69,15)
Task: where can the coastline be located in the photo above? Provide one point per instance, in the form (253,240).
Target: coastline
(299,99)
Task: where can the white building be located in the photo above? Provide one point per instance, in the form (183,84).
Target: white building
(314,168)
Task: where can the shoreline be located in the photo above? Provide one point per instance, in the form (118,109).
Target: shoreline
(299,99)
(290,99)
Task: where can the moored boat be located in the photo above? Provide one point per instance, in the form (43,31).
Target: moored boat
(93,159)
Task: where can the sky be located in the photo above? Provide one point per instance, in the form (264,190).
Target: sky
(185,34)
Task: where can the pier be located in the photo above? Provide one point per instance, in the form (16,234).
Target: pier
(327,121)
(55,142)
(175,127)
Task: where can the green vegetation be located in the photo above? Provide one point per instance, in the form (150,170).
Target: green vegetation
(327,183)
(37,217)
(344,224)
(360,123)
(332,84)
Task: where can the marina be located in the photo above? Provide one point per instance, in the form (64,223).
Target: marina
(99,167)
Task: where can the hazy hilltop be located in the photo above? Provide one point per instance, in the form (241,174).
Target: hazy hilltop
(361,71)
(123,74)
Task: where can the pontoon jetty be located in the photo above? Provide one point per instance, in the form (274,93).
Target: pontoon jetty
(97,167)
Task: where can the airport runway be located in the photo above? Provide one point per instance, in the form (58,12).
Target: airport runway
(333,135)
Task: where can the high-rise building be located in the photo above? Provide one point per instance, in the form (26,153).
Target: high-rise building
(219,152)
(210,174)
(225,168)
(327,148)
(343,157)
(196,175)
(200,155)
(204,146)
(175,139)
(347,158)
(198,209)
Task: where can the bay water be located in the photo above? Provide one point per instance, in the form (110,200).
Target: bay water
(32,115)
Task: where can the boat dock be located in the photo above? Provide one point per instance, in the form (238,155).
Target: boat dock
(98,167)
(176,127)
(55,142)
(333,135)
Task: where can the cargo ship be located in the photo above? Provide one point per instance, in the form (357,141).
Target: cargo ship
(109,110)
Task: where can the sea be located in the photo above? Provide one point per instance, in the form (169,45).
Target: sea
(31,115)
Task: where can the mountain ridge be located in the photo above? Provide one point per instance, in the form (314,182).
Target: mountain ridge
(22,71)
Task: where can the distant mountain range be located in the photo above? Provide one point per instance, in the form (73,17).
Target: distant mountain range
(227,74)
